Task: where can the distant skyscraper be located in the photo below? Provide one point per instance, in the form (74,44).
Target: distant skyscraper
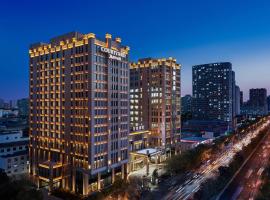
(268,103)
(23,106)
(237,100)
(13,103)
(186,104)
(213,92)
(2,103)
(241,98)
(79,111)
(233,95)
(258,101)
(155,100)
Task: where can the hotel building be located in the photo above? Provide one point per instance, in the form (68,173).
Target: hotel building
(79,112)
(155,101)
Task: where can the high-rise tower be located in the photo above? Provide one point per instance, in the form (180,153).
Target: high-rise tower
(79,111)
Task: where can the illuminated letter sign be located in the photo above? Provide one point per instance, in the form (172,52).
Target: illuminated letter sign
(116,55)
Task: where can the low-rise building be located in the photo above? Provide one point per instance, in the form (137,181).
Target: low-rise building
(216,127)
(5,112)
(14,152)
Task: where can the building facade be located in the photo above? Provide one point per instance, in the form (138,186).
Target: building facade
(2,103)
(186,104)
(23,106)
(14,158)
(258,101)
(241,98)
(268,103)
(214,92)
(79,112)
(155,100)
(237,100)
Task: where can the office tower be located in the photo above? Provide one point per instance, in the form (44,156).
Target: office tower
(186,102)
(155,100)
(258,101)
(213,92)
(23,106)
(237,100)
(241,98)
(233,96)
(79,111)
(268,103)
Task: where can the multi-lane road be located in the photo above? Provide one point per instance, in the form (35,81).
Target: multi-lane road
(193,182)
(246,183)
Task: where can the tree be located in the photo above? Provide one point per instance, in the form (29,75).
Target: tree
(18,189)
(154,176)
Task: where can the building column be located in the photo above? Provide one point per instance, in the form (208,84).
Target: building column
(98,182)
(113,175)
(85,183)
(147,166)
(128,169)
(34,164)
(38,182)
(73,180)
(63,183)
(50,178)
(124,172)
(132,164)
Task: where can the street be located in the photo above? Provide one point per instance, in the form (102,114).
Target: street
(246,184)
(192,184)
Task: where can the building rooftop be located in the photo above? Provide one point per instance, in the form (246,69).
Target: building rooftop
(148,62)
(71,39)
(213,64)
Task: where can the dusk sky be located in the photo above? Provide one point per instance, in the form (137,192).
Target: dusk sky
(194,32)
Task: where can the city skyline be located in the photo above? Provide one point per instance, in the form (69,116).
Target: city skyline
(134,99)
(210,32)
